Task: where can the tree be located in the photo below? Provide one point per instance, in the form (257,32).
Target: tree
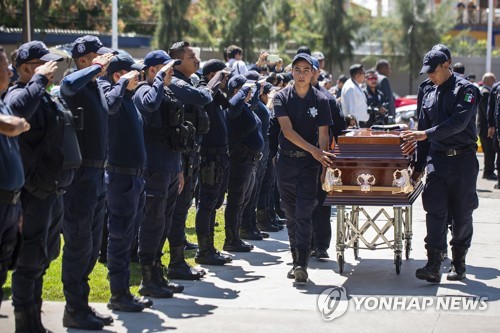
(172,23)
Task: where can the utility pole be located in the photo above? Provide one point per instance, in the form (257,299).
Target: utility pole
(489,38)
(27,27)
(114,25)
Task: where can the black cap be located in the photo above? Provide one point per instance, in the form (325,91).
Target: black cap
(442,48)
(431,60)
(302,56)
(253,76)
(123,62)
(214,65)
(159,57)
(35,50)
(88,44)
(236,82)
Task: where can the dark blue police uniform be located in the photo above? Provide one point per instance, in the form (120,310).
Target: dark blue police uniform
(193,98)
(249,228)
(297,171)
(42,199)
(375,101)
(448,117)
(85,199)
(322,228)
(11,182)
(245,150)
(125,195)
(494,121)
(214,177)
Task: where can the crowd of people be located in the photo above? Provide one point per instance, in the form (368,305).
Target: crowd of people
(122,149)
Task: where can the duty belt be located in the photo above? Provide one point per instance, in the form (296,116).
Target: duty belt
(10,197)
(214,151)
(293,153)
(256,155)
(100,164)
(455,152)
(125,171)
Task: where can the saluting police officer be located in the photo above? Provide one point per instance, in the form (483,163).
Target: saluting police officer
(322,228)
(304,116)
(125,195)
(214,170)
(165,136)
(85,201)
(194,99)
(245,150)
(43,161)
(11,177)
(447,133)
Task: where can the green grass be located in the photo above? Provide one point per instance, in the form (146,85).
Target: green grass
(99,285)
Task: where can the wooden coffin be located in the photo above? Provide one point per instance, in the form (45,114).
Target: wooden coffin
(372,168)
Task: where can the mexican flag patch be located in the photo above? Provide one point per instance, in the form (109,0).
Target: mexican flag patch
(469,98)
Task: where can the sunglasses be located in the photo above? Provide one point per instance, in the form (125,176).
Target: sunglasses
(371,78)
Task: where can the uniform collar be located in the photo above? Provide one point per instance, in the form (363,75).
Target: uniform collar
(309,95)
(181,76)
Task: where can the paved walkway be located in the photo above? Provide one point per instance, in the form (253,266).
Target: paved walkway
(253,294)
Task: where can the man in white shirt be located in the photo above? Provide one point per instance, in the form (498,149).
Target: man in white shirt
(235,62)
(352,97)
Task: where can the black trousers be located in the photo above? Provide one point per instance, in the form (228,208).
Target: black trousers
(297,183)
(450,189)
(161,194)
(489,154)
(84,210)
(211,194)
(9,229)
(322,228)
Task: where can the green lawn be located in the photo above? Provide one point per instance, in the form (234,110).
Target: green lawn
(99,292)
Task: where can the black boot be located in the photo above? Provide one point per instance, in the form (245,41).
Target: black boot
(300,272)
(179,268)
(430,272)
(274,218)
(38,316)
(233,242)
(158,271)
(125,302)
(207,254)
(150,286)
(26,319)
(84,320)
(290,273)
(263,222)
(457,271)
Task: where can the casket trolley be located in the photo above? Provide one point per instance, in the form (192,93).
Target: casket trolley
(372,168)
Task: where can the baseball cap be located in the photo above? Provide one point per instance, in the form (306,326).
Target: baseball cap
(318,55)
(88,44)
(159,57)
(236,82)
(123,62)
(432,59)
(253,76)
(315,63)
(442,48)
(214,65)
(302,56)
(35,50)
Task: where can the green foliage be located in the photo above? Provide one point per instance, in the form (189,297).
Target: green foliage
(464,45)
(172,23)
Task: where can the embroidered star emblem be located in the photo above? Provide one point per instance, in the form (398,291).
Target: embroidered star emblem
(313,112)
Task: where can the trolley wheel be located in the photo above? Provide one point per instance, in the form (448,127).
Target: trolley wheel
(398,261)
(356,250)
(407,249)
(340,262)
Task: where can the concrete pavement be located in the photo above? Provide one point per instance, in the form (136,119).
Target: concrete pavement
(254,295)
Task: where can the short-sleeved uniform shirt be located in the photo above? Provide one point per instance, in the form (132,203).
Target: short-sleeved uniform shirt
(306,114)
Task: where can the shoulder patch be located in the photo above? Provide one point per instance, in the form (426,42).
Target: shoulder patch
(277,102)
(469,98)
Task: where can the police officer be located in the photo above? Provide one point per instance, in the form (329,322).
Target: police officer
(304,116)
(322,228)
(163,120)
(494,124)
(84,200)
(194,99)
(249,228)
(482,127)
(11,177)
(245,150)
(447,133)
(125,195)
(214,171)
(376,100)
(43,161)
